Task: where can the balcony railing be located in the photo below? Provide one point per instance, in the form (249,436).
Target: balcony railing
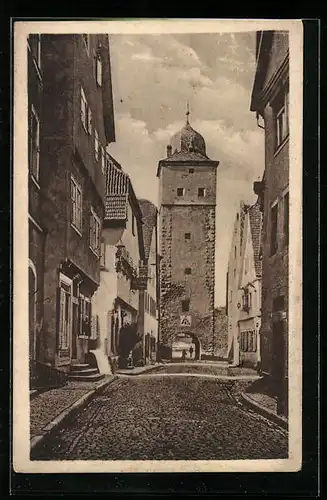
(140,281)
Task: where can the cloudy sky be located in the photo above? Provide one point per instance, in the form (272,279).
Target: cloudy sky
(153,77)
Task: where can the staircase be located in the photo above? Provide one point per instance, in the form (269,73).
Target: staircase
(82,372)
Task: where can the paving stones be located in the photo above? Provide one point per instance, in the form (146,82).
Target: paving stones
(164,418)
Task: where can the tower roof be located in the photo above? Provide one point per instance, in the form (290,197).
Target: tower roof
(188,140)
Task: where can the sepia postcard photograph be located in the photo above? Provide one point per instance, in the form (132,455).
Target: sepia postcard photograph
(157,246)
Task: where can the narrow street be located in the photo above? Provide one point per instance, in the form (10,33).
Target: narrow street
(163,416)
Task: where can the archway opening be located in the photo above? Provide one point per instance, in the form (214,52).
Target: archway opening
(186,346)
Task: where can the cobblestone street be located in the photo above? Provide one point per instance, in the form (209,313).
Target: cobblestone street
(164,418)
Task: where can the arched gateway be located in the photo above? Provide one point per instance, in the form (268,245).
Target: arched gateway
(188,342)
(187,180)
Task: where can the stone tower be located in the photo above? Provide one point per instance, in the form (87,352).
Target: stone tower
(187,195)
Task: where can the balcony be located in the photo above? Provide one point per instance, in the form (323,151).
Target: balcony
(140,281)
(124,262)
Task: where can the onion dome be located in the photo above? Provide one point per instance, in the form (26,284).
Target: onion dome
(188,140)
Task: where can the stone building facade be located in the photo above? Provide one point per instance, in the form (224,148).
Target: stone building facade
(71,122)
(270,102)
(187,187)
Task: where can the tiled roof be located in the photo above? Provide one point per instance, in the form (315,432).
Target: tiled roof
(255,217)
(116,206)
(117,183)
(149,213)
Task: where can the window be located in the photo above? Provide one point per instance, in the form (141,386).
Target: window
(86,115)
(103,160)
(86,39)
(95,228)
(180,191)
(273,229)
(248,341)
(201,192)
(185,305)
(246,301)
(133,224)
(85,316)
(286,219)
(191,170)
(187,236)
(96,145)
(103,255)
(280,108)
(64,316)
(76,205)
(98,70)
(235,252)
(278,303)
(35,44)
(34,144)
(187,270)
(89,121)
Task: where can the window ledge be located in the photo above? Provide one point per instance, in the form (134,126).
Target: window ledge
(281,146)
(76,229)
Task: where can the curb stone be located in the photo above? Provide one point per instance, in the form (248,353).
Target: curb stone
(265,412)
(146,370)
(249,378)
(68,412)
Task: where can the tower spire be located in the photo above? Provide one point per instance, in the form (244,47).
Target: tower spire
(187,111)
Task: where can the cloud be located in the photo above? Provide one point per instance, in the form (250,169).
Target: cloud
(153,77)
(146,56)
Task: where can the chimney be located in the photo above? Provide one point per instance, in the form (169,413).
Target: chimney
(169,150)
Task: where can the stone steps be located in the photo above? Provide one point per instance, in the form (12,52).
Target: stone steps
(83,372)
(86,371)
(86,378)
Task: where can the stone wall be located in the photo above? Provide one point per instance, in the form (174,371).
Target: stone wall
(198,254)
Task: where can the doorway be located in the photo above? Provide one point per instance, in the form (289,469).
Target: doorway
(32,311)
(278,357)
(75,329)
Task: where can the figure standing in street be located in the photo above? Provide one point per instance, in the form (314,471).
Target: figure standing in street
(183,355)
(191,351)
